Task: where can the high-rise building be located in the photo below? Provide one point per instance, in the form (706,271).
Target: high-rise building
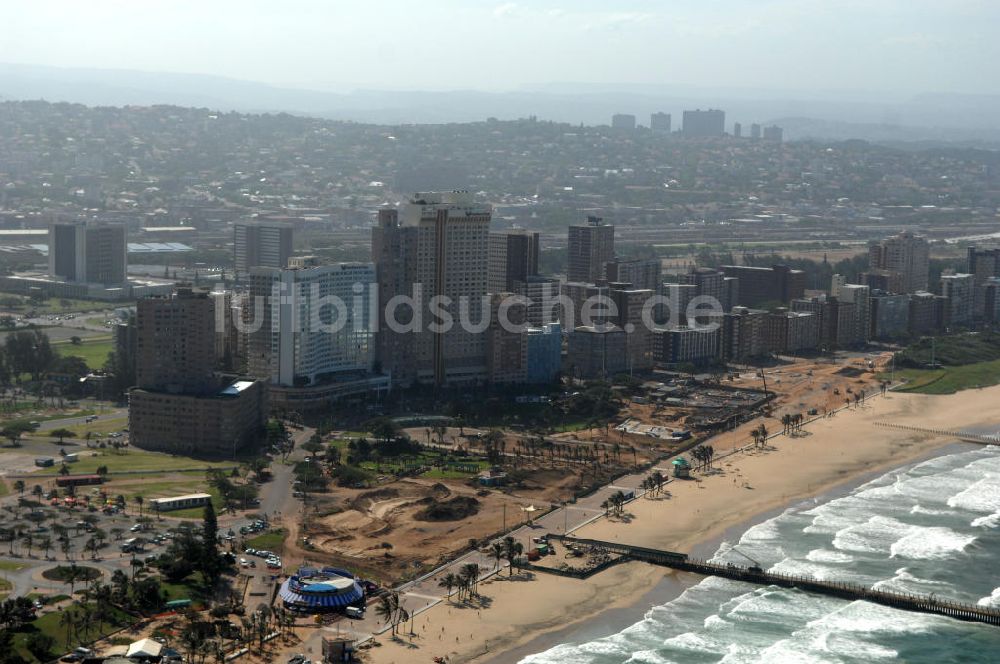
(773,133)
(438,244)
(543,299)
(737,130)
(859,296)
(623,121)
(959,289)
(260,244)
(507,341)
(792,331)
(513,258)
(744,334)
(709,283)
(907,255)
(591,246)
(890,315)
(175,342)
(92,252)
(179,405)
(755,132)
(315,325)
(544,353)
(928,313)
(640,273)
(704,124)
(760,285)
(597,351)
(630,303)
(682,344)
(659,123)
(983,264)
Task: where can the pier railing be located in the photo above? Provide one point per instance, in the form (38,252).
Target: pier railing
(756,575)
(968,436)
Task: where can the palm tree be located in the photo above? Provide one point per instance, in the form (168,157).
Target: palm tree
(496,549)
(470,572)
(138,501)
(512,549)
(19,486)
(448,582)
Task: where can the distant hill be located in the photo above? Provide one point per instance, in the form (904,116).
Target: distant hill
(831,115)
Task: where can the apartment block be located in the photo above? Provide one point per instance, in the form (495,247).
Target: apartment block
(513,259)
(590,247)
(907,255)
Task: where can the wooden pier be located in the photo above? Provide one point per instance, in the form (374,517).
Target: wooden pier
(756,575)
(966,436)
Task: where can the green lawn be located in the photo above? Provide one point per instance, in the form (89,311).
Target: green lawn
(190,588)
(132,460)
(948,380)
(5,587)
(272,541)
(11,566)
(93,350)
(49,624)
(99,428)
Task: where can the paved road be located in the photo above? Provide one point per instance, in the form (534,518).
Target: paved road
(67,422)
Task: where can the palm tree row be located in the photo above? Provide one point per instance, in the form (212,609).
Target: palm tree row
(466,581)
(759,436)
(791,422)
(391,610)
(653,485)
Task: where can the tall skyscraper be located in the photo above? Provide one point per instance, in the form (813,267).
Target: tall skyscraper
(755,131)
(773,133)
(907,255)
(437,243)
(513,258)
(92,252)
(984,264)
(762,285)
(659,123)
(737,130)
(704,124)
(260,244)
(591,246)
(623,121)
(175,342)
(639,273)
(305,339)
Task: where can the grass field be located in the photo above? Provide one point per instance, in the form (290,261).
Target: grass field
(948,380)
(49,624)
(99,428)
(93,350)
(272,541)
(10,566)
(134,460)
(5,587)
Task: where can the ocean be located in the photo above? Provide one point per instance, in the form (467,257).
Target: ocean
(932,528)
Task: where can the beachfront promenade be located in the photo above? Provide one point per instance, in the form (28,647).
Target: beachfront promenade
(756,575)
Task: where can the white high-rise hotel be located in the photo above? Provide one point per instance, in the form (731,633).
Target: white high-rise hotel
(304,338)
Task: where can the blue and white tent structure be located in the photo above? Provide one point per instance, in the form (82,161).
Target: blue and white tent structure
(316,590)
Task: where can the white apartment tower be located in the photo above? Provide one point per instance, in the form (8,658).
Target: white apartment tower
(315,322)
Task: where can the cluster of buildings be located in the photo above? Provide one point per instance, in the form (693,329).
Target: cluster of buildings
(87,258)
(710,123)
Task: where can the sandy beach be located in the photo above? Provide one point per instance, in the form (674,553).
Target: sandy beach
(829,452)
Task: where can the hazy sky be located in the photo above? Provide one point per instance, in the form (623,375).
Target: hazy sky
(879,45)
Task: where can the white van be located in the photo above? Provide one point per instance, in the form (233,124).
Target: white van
(354,612)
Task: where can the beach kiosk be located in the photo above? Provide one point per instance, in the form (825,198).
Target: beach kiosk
(681,467)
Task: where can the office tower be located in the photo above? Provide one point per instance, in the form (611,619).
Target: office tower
(92,252)
(543,299)
(704,124)
(773,133)
(597,351)
(792,331)
(629,303)
(683,345)
(890,315)
(315,322)
(761,285)
(507,341)
(679,297)
(260,244)
(712,283)
(959,289)
(983,264)
(905,258)
(591,246)
(928,313)
(640,273)
(744,334)
(659,123)
(513,258)
(859,296)
(623,121)
(737,130)
(178,405)
(755,132)
(575,295)
(437,243)
(175,347)
(544,353)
